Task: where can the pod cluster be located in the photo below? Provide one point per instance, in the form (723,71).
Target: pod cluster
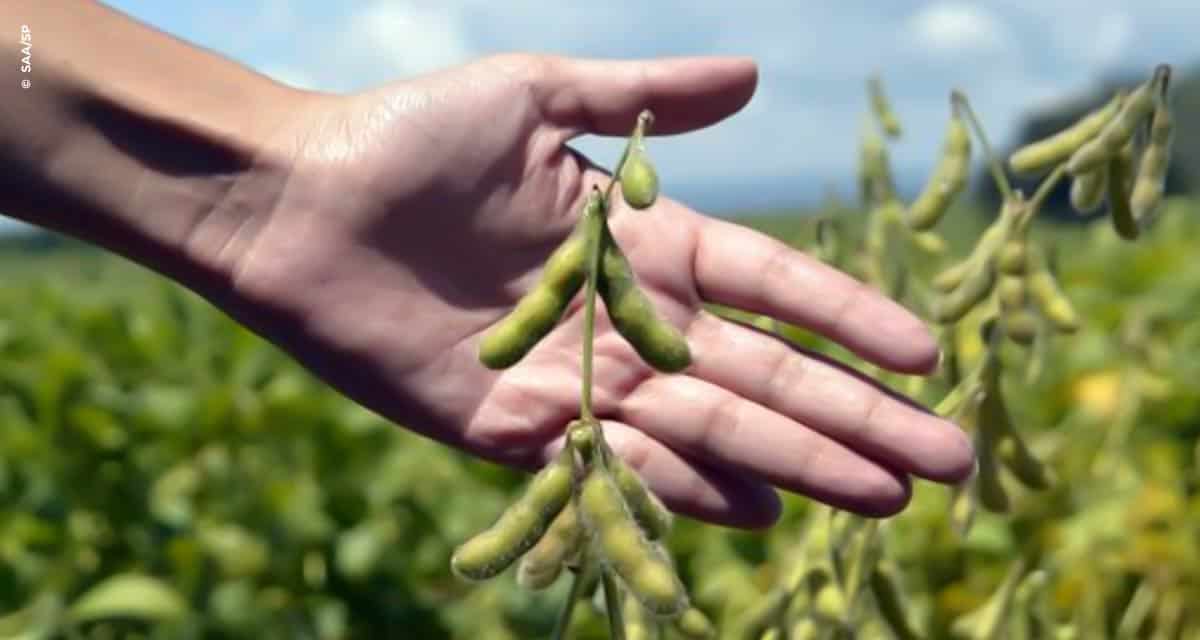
(837,582)
(979,406)
(894,227)
(588,503)
(658,342)
(1118,154)
(1011,272)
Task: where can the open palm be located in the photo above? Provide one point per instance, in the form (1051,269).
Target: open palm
(415,215)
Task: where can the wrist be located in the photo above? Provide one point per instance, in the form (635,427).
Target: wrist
(156,150)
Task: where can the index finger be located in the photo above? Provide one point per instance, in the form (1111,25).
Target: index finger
(739,267)
(604,96)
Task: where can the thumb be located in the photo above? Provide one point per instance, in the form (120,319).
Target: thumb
(603,97)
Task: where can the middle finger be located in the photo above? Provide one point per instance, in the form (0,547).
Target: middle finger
(829,398)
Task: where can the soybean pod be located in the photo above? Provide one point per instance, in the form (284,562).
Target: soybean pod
(951,277)
(875,170)
(694,625)
(1149,185)
(539,310)
(1088,189)
(882,107)
(1120,130)
(1010,448)
(1020,326)
(1011,292)
(639,624)
(988,487)
(948,179)
(1012,259)
(647,510)
(638,177)
(1044,291)
(643,566)
(1120,175)
(521,525)
(971,291)
(657,341)
(889,600)
(1047,152)
(987,622)
(543,563)
(767,612)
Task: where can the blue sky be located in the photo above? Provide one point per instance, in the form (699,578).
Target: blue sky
(1011,56)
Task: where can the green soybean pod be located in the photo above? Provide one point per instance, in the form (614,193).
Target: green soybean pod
(763,614)
(889,600)
(952,306)
(1011,292)
(804,628)
(948,179)
(694,625)
(642,565)
(1010,448)
(1011,260)
(639,624)
(1051,301)
(1120,175)
(1089,188)
(1047,152)
(988,488)
(543,563)
(951,277)
(638,177)
(1020,326)
(929,242)
(647,510)
(1025,467)
(657,341)
(1116,132)
(829,601)
(520,526)
(540,309)
(987,622)
(1148,188)
(992,238)
(875,170)
(882,107)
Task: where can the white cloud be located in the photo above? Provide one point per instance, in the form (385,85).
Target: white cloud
(405,39)
(957,27)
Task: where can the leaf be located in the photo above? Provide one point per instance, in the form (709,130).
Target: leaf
(129,595)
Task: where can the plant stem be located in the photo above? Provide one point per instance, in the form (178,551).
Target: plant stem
(958,100)
(564,616)
(612,604)
(595,248)
(1039,197)
(594,235)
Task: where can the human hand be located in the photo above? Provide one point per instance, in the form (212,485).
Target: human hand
(415,215)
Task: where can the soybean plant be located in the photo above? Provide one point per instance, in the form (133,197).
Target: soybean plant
(587,512)
(1006,291)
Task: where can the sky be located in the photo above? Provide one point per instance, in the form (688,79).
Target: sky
(1010,57)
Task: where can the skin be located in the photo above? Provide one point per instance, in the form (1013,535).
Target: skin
(376,236)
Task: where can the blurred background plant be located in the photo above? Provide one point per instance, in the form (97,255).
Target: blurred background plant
(144,434)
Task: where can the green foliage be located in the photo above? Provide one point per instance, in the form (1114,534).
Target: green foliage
(144,432)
